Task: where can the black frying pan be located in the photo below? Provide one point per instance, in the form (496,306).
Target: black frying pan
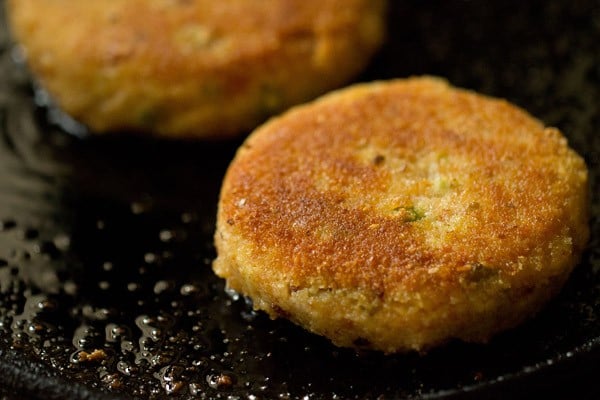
(106,243)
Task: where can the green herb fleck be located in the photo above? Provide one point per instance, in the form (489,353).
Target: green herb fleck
(411,213)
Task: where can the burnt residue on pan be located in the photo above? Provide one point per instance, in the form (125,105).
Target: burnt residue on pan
(106,289)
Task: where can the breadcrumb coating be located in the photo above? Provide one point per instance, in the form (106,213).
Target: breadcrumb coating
(192,68)
(399,215)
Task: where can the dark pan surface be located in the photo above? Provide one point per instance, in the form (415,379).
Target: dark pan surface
(106,243)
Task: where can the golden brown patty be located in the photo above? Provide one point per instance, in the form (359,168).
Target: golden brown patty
(399,215)
(185,68)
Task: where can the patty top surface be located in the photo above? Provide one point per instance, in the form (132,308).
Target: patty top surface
(167,32)
(192,67)
(392,187)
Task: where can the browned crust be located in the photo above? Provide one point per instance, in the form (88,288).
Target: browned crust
(192,68)
(425,211)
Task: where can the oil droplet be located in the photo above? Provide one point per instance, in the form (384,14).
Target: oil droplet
(189,217)
(70,288)
(46,304)
(188,290)
(172,388)
(115,333)
(126,368)
(62,242)
(127,346)
(27,323)
(161,287)
(195,389)
(233,295)
(150,258)
(112,381)
(167,235)
(220,381)
(141,207)
(85,337)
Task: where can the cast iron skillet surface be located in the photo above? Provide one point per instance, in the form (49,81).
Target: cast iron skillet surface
(106,242)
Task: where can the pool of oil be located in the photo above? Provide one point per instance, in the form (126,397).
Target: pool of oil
(106,289)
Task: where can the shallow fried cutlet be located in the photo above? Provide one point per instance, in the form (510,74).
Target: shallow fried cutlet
(400,215)
(192,68)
